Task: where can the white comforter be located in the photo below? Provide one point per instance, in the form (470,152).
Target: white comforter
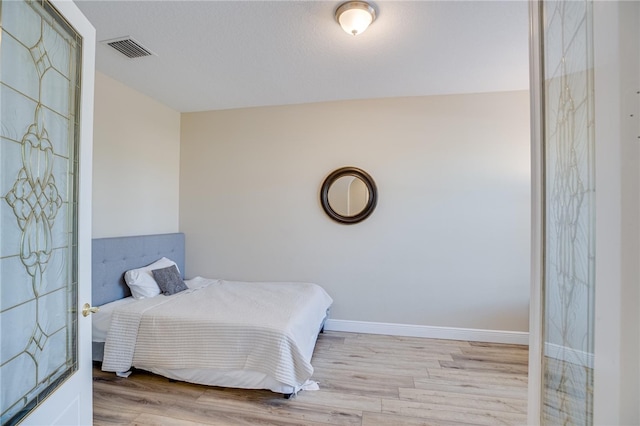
(263,327)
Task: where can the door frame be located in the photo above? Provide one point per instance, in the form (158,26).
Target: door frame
(537,213)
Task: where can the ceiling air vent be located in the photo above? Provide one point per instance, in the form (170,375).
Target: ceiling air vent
(128,47)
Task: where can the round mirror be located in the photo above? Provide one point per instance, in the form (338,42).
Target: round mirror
(348,195)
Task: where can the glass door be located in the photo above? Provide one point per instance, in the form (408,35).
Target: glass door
(40,73)
(569,223)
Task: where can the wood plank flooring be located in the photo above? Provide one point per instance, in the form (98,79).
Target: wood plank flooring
(364,380)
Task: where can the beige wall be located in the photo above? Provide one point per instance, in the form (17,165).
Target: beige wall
(616,35)
(448,244)
(136,162)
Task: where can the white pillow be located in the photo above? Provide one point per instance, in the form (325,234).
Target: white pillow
(141,281)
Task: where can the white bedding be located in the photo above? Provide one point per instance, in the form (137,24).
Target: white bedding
(101,320)
(267,330)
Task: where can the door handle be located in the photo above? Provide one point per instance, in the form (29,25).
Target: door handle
(88,309)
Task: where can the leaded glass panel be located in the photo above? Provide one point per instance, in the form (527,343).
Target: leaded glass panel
(39,62)
(569,198)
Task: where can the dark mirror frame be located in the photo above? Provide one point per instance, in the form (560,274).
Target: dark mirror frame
(364,177)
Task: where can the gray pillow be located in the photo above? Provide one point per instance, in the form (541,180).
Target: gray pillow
(169,280)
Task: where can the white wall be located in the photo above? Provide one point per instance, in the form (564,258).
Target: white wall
(617,314)
(136,162)
(448,244)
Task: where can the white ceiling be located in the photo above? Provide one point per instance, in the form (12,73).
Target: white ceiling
(233,54)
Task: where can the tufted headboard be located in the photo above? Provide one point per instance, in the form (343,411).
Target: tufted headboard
(112,257)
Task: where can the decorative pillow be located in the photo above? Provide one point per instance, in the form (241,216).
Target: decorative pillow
(141,281)
(169,280)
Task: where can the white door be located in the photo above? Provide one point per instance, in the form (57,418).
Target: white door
(47,61)
(562,349)
(585,321)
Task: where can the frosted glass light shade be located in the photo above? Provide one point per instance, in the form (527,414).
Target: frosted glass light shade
(355,16)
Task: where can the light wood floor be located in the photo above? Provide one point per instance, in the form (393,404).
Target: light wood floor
(364,380)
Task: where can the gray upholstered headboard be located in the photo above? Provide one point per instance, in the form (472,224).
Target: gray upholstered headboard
(112,257)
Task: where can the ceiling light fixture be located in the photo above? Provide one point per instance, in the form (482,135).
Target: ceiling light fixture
(355,16)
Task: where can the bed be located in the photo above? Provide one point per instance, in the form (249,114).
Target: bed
(252,335)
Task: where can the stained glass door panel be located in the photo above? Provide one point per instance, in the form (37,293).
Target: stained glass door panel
(39,92)
(569,198)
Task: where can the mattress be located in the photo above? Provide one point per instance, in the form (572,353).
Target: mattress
(222,333)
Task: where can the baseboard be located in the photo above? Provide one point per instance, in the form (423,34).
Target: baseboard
(574,356)
(447,333)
